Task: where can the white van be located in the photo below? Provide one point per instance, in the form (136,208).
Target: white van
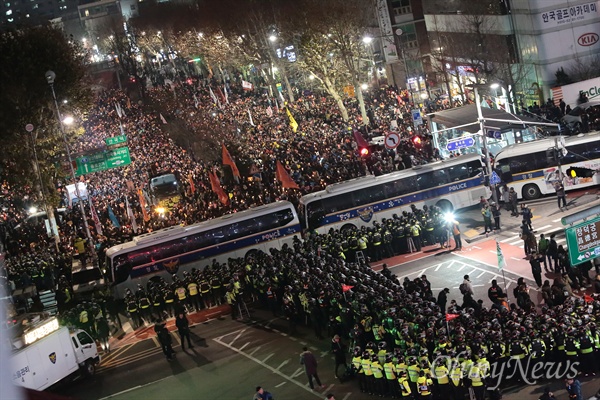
(39,217)
(86,279)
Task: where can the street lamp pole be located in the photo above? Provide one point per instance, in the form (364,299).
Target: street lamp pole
(488,164)
(50,76)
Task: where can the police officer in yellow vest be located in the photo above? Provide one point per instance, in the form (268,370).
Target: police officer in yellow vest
(357,368)
(404,385)
(413,373)
(424,386)
(192,288)
(477,375)
(442,377)
(377,369)
(456,381)
(366,367)
(390,375)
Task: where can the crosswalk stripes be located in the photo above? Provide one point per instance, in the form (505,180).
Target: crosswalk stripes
(547,230)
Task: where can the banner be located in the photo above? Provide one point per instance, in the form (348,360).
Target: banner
(113,217)
(213,97)
(192,185)
(130,215)
(269,111)
(95,218)
(286,180)
(227,160)
(246,85)
(226,94)
(293,123)
(164,121)
(450,317)
(250,116)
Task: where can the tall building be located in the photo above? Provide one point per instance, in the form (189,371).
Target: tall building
(406,46)
(521,43)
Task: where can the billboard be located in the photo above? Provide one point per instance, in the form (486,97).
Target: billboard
(570,93)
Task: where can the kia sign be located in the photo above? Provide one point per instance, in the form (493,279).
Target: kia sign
(588,39)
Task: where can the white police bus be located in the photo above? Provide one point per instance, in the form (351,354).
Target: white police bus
(449,184)
(529,168)
(179,248)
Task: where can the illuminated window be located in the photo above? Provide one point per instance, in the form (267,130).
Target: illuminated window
(87,13)
(9,12)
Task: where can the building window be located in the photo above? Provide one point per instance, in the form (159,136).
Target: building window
(9,12)
(86,12)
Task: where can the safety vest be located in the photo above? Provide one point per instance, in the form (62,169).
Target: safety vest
(415,230)
(230,296)
(215,283)
(204,287)
(424,385)
(475,376)
(586,345)
(390,371)
(366,366)
(357,364)
(157,301)
(456,376)
(400,367)
(169,298)
(571,346)
(132,306)
(180,292)
(404,386)
(377,369)
(193,288)
(441,374)
(376,332)
(144,302)
(83,317)
(413,372)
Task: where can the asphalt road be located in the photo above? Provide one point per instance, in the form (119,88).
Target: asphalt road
(230,357)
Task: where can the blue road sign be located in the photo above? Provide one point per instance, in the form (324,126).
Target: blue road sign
(495,179)
(460,143)
(417,118)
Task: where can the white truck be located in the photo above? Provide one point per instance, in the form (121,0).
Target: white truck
(47,353)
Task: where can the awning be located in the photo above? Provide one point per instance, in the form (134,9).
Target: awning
(468,115)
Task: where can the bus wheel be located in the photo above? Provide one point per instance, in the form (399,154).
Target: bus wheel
(531,192)
(445,206)
(348,228)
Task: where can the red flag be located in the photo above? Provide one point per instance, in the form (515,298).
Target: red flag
(227,160)
(216,187)
(360,140)
(345,288)
(286,180)
(221,95)
(192,186)
(450,317)
(588,298)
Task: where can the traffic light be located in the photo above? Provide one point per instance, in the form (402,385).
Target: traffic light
(551,156)
(579,172)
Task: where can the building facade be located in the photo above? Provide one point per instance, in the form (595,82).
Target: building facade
(519,43)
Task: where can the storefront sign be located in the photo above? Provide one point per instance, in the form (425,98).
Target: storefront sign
(566,15)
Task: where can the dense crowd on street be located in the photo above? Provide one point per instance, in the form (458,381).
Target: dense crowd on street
(402,339)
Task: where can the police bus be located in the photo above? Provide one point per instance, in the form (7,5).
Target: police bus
(449,184)
(179,248)
(532,169)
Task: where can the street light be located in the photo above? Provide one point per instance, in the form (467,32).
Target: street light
(273,38)
(367,39)
(50,77)
(486,152)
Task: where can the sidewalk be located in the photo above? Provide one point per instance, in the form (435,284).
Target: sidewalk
(129,336)
(588,200)
(589,387)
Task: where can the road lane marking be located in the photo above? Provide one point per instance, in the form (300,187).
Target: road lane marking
(438,267)
(515,258)
(543,227)
(298,372)
(238,336)
(472,272)
(301,385)
(286,362)
(347,395)
(281,384)
(116,353)
(496,267)
(134,388)
(557,220)
(510,239)
(461,267)
(481,274)
(476,247)
(265,360)
(244,346)
(329,388)
(255,350)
